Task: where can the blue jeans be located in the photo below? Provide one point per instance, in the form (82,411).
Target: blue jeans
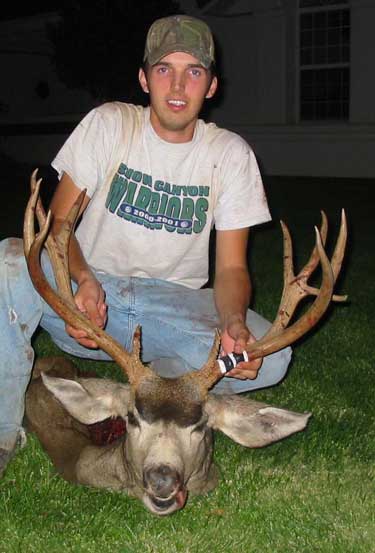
(177,323)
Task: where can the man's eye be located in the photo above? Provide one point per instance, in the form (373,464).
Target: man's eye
(162,69)
(197,71)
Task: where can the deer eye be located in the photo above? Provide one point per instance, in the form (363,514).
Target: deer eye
(132,420)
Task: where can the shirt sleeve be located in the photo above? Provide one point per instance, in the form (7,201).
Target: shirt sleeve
(86,154)
(241,200)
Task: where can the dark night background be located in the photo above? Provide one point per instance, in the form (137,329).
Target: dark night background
(356,190)
(22,9)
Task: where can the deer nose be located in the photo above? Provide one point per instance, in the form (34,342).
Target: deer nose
(163,480)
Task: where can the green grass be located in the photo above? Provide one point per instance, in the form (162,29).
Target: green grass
(313,492)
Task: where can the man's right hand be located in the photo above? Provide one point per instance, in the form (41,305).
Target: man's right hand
(90,300)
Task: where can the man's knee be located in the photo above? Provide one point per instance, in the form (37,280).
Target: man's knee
(18,297)
(12,254)
(14,275)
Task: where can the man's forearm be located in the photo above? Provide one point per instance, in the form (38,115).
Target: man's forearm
(78,266)
(79,270)
(232,292)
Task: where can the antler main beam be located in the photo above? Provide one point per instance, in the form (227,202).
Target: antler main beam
(61,300)
(295,289)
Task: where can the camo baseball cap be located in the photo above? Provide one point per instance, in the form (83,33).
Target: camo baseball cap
(180,33)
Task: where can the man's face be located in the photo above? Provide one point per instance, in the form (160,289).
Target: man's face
(177,85)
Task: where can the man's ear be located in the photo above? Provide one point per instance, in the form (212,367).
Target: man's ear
(143,80)
(213,87)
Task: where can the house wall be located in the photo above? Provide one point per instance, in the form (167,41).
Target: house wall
(259,64)
(363,63)
(33,125)
(250,94)
(258,92)
(26,58)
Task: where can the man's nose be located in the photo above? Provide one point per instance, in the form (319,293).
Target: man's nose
(178,82)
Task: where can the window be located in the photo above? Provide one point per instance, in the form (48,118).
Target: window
(324,55)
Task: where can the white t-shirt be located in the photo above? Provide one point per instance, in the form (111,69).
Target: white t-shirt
(154,203)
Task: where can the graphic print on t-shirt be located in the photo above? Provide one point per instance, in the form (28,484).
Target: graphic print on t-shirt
(157,204)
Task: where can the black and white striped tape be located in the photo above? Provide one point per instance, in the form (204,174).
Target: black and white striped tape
(230,361)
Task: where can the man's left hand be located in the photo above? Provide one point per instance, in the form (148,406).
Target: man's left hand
(235,338)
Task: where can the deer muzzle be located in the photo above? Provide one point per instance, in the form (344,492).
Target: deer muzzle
(165,492)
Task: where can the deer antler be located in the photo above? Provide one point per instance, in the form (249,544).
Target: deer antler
(62,300)
(295,289)
(278,336)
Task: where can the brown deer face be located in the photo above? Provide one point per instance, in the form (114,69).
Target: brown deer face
(168,441)
(167,450)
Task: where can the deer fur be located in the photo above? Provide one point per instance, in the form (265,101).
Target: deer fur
(166,452)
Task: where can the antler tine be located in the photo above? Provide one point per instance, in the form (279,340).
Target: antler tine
(337,259)
(39,210)
(61,301)
(57,246)
(210,373)
(338,254)
(295,288)
(275,340)
(28,221)
(288,302)
(286,307)
(278,335)
(306,271)
(58,249)
(314,259)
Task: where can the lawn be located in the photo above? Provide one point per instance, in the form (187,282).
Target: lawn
(311,493)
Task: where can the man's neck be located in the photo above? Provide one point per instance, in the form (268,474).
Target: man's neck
(174,136)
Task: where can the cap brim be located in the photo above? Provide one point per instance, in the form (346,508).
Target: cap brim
(162,52)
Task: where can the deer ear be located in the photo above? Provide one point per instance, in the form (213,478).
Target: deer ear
(90,400)
(251,423)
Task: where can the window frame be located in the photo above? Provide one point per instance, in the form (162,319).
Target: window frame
(341,5)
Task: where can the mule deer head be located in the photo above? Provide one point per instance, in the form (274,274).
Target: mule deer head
(168,446)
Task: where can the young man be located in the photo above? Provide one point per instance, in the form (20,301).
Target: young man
(158,179)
